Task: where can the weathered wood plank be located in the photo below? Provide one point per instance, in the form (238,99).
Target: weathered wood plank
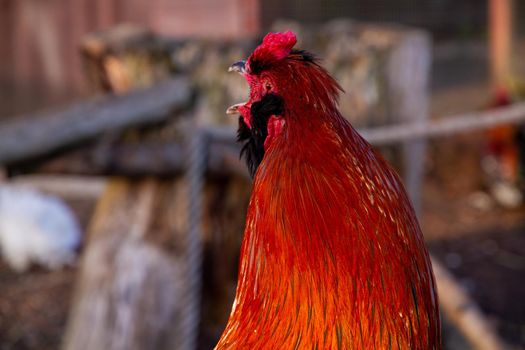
(38,134)
(464,313)
(148,158)
(408,72)
(130,282)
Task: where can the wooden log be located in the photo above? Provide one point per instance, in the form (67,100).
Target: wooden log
(148,158)
(124,57)
(463,312)
(131,278)
(41,133)
(408,72)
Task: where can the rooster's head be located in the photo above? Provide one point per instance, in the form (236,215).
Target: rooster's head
(284,84)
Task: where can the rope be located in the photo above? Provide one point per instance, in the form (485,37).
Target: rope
(446,126)
(194,178)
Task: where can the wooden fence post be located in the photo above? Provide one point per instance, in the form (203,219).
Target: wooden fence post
(408,73)
(130,283)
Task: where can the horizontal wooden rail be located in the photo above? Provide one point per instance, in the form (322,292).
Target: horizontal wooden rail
(41,133)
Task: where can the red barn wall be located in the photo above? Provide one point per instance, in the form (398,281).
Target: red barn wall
(39,39)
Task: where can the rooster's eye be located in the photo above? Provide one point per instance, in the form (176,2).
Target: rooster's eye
(268,86)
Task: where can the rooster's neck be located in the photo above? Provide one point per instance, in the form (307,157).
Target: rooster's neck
(332,256)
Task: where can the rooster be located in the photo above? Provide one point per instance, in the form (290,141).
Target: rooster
(332,255)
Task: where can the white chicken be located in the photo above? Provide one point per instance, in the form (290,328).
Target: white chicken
(36,228)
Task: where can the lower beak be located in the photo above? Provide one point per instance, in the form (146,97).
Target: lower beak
(232,110)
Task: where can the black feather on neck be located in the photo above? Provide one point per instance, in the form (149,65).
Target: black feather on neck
(253,139)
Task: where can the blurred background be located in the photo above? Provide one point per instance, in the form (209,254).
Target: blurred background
(122,199)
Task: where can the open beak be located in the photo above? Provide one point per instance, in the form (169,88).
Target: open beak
(232,110)
(239,66)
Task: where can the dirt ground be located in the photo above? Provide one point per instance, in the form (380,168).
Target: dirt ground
(33,308)
(483,247)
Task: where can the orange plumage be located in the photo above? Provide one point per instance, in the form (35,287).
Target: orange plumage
(333,256)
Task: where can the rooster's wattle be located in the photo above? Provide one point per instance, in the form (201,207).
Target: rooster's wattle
(333,256)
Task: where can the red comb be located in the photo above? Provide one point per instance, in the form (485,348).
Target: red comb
(275,47)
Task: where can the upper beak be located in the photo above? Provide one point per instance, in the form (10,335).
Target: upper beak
(239,66)
(234,109)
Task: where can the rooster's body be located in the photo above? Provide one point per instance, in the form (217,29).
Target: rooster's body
(333,256)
